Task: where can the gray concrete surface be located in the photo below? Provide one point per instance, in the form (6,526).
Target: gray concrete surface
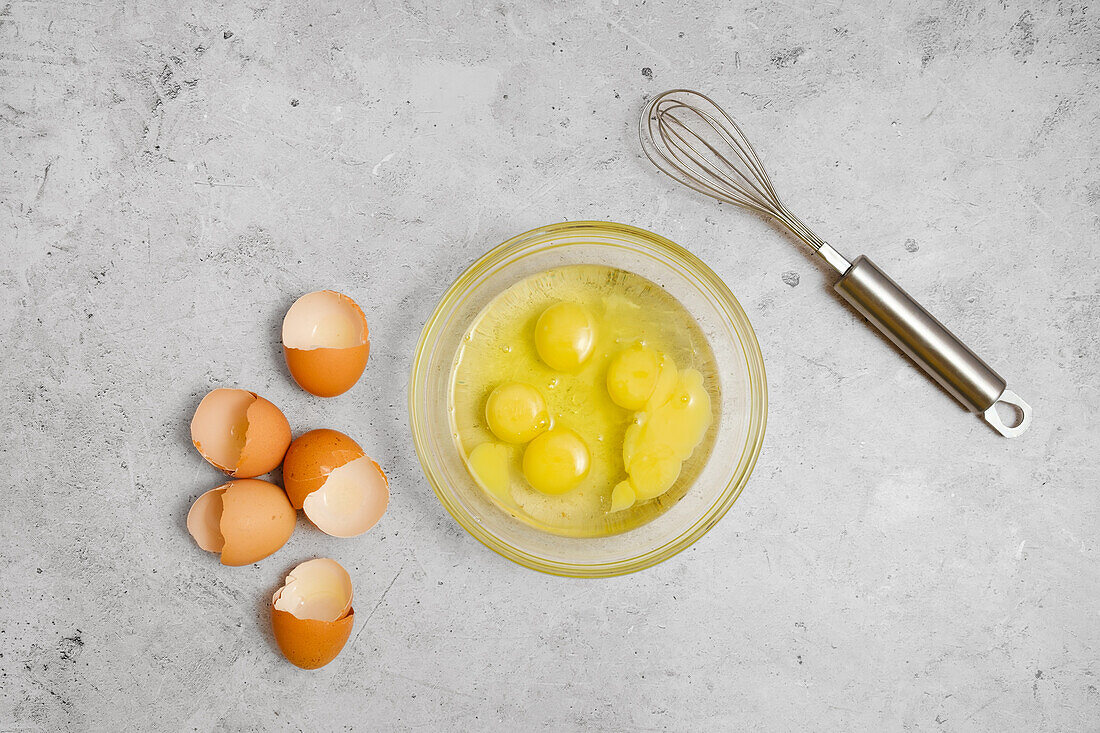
(173,175)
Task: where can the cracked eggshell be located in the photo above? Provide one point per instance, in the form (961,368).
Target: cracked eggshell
(312,457)
(326,342)
(342,491)
(245,520)
(311,614)
(239,432)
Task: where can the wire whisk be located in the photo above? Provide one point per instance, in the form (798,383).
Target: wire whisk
(693,141)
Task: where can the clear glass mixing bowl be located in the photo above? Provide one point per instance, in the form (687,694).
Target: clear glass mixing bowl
(743,411)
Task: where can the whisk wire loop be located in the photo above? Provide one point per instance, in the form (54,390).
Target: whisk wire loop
(695,142)
(674,128)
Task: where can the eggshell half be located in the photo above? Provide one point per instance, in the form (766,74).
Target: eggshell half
(308,643)
(311,614)
(205,519)
(343,491)
(351,500)
(326,342)
(312,457)
(239,432)
(266,441)
(327,372)
(245,520)
(318,589)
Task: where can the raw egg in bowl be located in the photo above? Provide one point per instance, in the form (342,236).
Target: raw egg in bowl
(588,399)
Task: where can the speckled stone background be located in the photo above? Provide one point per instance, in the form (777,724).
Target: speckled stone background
(174,174)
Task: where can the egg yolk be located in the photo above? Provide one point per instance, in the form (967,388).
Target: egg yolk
(654,471)
(665,434)
(516,412)
(685,415)
(667,376)
(632,376)
(489,465)
(622,496)
(565,335)
(556,461)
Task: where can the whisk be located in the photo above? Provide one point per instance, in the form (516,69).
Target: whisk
(693,141)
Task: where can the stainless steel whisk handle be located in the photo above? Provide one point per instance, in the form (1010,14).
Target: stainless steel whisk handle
(928,342)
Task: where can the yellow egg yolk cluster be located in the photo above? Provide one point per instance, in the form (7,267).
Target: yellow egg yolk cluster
(556,459)
(671,409)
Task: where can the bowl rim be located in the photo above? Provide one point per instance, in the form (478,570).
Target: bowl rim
(715,287)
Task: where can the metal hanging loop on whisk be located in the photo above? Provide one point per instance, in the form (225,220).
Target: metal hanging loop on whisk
(695,142)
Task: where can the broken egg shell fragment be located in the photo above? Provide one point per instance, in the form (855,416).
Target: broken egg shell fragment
(312,457)
(317,589)
(219,426)
(204,520)
(327,372)
(343,491)
(266,440)
(308,643)
(239,432)
(351,500)
(326,342)
(311,614)
(245,520)
(325,319)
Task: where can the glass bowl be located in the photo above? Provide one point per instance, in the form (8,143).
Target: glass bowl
(742,414)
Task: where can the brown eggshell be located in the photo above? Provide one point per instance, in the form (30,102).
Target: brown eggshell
(311,458)
(351,500)
(265,442)
(239,432)
(205,518)
(326,342)
(327,372)
(309,643)
(257,519)
(218,426)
